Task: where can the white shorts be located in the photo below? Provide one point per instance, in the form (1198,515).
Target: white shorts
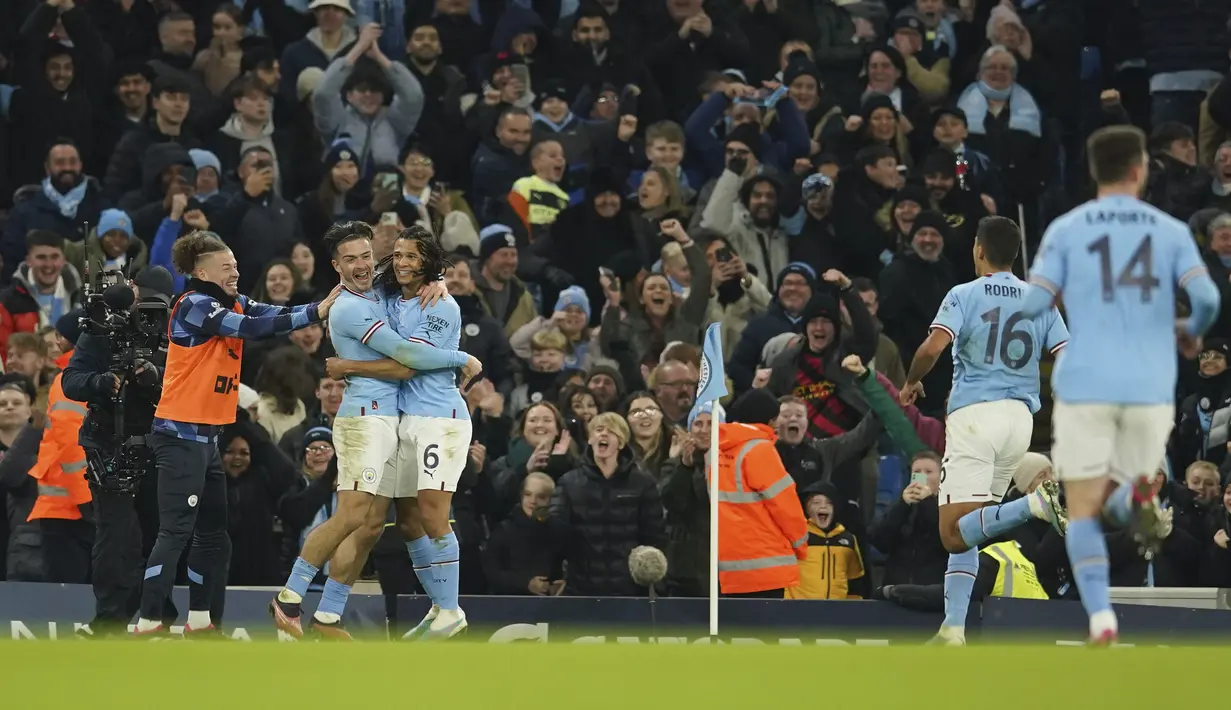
(1121,440)
(367,449)
(984,443)
(432,453)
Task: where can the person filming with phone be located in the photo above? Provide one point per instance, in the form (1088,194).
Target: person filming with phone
(257,223)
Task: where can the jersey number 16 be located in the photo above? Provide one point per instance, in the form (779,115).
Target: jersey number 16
(1006,339)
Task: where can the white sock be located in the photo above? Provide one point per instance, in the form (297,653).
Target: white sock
(144,625)
(288,597)
(198,619)
(326,617)
(1102,621)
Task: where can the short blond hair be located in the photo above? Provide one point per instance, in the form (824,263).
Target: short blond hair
(1198,466)
(541,478)
(612,422)
(550,339)
(673,255)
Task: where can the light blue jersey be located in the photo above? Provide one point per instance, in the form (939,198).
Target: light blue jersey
(1115,263)
(354,321)
(996,349)
(431,393)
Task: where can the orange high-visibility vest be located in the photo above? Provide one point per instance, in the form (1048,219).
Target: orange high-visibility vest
(762,531)
(61,468)
(200,385)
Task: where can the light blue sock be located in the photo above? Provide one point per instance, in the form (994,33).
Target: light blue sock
(421,552)
(959,582)
(979,526)
(302,574)
(1088,557)
(333,599)
(445,570)
(1119,505)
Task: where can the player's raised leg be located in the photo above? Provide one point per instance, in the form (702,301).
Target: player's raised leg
(363,445)
(985,442)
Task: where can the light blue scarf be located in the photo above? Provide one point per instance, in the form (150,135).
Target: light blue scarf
(555,127)
(1023,111)
(68,203)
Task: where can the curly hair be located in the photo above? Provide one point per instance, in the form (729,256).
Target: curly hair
(432,256)
(193,246)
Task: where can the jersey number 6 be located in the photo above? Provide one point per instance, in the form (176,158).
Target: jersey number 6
(1011,336)
(430,458)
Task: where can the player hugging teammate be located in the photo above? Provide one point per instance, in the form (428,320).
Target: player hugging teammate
(398,437)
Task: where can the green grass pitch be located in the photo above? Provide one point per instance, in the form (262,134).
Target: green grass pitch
(285,676)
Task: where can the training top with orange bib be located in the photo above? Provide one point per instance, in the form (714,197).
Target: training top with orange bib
(762,531)
(60,470)
(206,332)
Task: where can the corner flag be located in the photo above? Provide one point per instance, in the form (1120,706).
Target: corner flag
(712,385)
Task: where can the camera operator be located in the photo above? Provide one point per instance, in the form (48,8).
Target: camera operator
(209,323)
(125,519)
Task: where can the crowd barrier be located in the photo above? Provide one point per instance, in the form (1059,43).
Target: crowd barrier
(55,612)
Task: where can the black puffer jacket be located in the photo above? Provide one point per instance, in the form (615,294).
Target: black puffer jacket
(521,549)
(909,535)
(603,519)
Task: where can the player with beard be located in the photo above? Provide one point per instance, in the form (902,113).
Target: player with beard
(365,435)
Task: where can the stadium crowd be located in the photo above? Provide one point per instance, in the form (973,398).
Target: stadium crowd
(611,177)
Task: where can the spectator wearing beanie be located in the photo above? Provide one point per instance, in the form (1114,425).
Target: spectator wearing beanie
(811,369)
(502,295)
(796,286)
(908,202)
(209,178)
(743,153)
(376,131)
(746,214)
(1201,430)
(584,142)
(685,494)
(63,89)
(339,198)
(112,245)
(864,192)
(926,69)
(310,498)
(911,290)
(817,242)
(878,124)
(320,46)
(962,210)
(251,125)
(448,213)
(167,123)
(607,385)
(589,234)
(834,567)
(803,82)
(571,316)
(778,146)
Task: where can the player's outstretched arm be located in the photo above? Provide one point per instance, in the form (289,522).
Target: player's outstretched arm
(207,315)
(414,354)
(383,369)
(1038,299)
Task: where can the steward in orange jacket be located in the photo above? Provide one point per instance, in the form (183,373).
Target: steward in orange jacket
(762,531)
(62,487)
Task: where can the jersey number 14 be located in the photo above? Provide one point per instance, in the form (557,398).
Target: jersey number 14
(1138,272)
